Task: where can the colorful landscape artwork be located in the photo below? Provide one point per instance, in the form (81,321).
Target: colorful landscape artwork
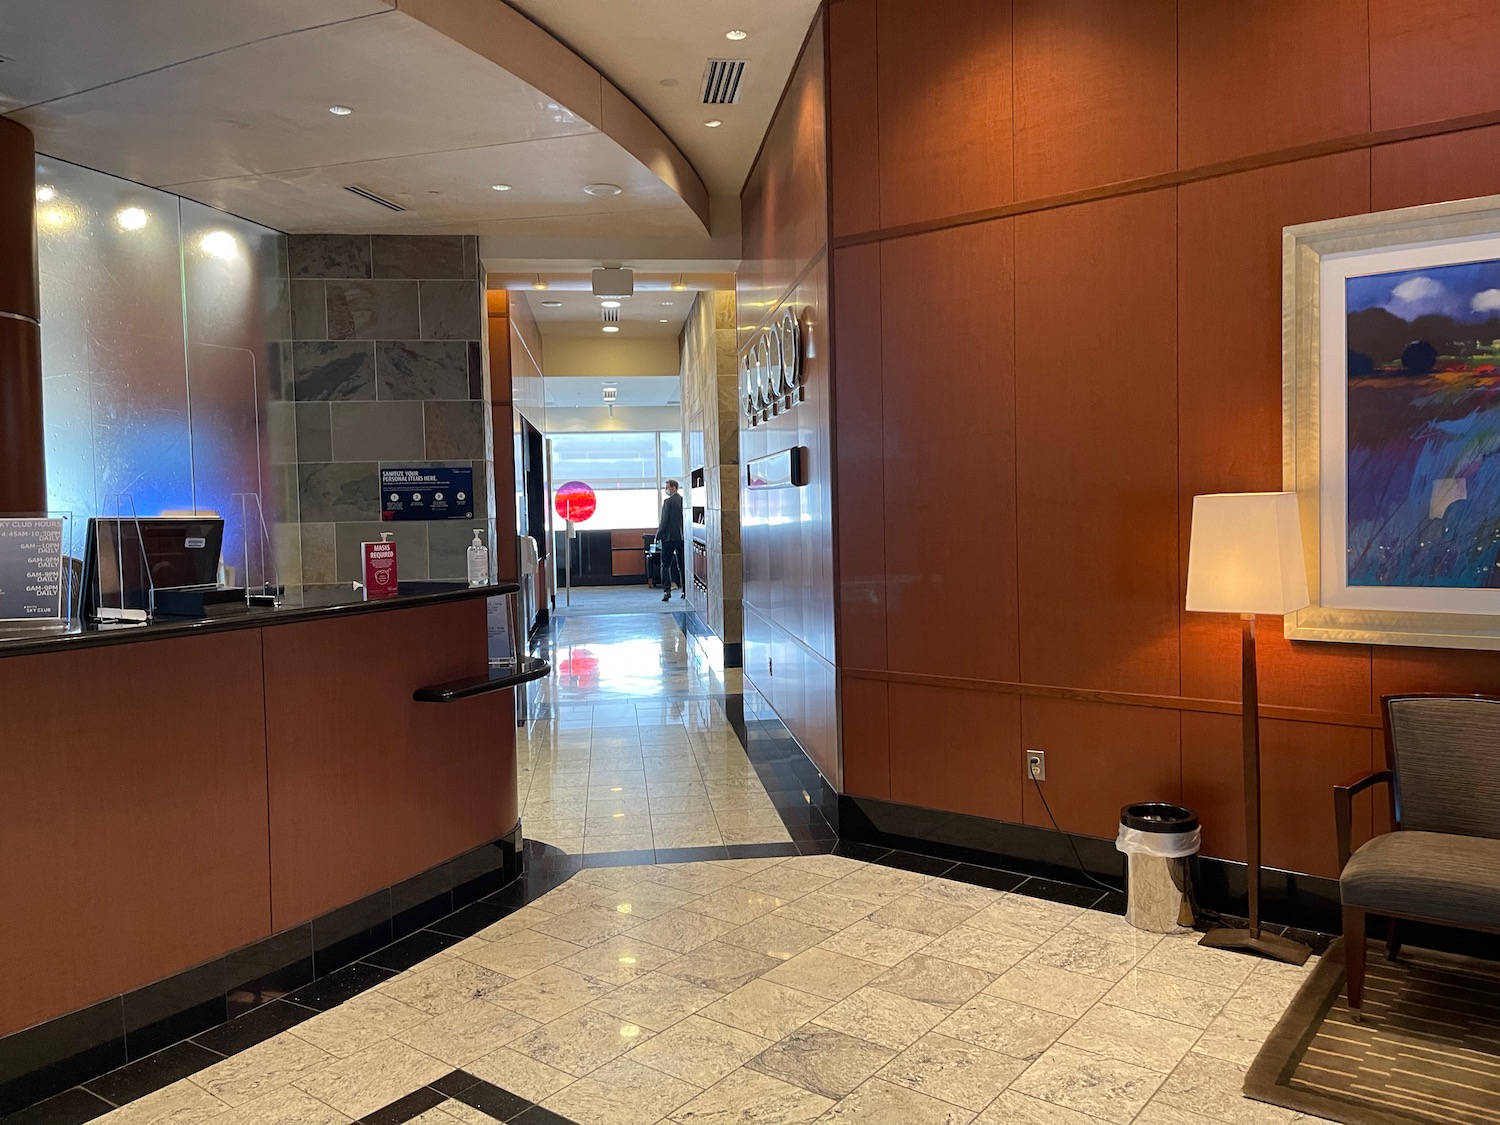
(1423,442)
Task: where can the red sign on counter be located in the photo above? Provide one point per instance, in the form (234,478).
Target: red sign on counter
(575,501)
(380,569)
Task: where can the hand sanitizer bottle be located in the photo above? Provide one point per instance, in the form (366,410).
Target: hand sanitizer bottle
(479,561)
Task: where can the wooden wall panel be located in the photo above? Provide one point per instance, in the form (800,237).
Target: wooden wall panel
(1270,75)
(1096,93)
(1300,765)
(1096,444)
(1425,56)
(949,454)
(959,751)
(859,421)
(944,74)
(1434,169)
(1099,756)
(367,786)
(853,124)
(1398,670)
(864,708)
(1229,402)
(125,859)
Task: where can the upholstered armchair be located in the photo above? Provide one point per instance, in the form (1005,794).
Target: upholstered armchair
(1442,864)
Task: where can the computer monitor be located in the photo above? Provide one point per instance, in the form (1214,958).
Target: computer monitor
(124,559)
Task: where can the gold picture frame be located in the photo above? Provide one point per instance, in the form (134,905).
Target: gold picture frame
(1318,259)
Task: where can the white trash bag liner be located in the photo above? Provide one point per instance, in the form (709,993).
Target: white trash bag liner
(1163,845)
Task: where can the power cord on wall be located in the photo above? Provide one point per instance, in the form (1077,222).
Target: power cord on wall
(1077,859)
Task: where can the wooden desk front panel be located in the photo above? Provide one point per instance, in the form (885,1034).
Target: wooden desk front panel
(366,786)
(132,817)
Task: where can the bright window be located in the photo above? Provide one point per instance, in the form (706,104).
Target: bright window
(625,470)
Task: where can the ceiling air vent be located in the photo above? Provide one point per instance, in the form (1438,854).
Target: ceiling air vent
(373,198)
(721,81)
(611,316)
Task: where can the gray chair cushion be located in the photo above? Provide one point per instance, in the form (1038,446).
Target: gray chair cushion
(1428,875)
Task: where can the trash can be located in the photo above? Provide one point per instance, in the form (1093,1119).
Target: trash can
(1159,841)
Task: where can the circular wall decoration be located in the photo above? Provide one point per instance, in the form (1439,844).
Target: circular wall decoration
(747,383)
(790,338)
(775,385)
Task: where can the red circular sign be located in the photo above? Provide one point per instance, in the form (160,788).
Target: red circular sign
(575,501)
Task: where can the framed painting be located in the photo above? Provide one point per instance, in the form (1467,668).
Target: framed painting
(1391,423)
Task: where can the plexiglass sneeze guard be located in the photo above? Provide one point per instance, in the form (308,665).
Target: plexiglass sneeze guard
(256,565)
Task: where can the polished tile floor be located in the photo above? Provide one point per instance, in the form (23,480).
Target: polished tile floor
(632,748)
(770,992)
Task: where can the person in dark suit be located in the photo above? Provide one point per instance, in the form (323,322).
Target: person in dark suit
(669,535)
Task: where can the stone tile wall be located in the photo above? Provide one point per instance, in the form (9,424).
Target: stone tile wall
(710,406)
(388,370)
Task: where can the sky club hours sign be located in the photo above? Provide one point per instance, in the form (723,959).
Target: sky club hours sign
(31,569)
(426,493)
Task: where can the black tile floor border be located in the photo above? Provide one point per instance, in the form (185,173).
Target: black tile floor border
(461,1086)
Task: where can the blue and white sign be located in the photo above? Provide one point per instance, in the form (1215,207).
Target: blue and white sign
(426,493)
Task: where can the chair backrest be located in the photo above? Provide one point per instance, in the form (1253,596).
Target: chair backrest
(1445,751)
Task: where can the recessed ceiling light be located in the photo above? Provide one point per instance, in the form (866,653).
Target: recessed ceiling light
(609,304)
(611,328)
(46,193)
(713,123)
(340,110)
(540,283)
(679,284)
(668,304)
(603,189)
(551,304)
(665,321)
(667,82)
(736,35)
(132,218)
(499,187)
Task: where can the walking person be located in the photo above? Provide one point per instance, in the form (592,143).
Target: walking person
(669,535)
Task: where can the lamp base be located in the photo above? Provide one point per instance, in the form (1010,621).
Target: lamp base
(1265,945)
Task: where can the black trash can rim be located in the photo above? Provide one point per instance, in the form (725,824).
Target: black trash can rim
(1158,816)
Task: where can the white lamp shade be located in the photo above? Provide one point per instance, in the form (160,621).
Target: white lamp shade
(1245,555)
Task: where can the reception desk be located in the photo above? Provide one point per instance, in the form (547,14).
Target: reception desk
(201,814)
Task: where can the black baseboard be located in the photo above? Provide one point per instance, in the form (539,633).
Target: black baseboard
(1287,898)
(70,1050)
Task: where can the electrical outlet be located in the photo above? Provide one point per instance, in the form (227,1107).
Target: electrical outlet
(1036,765)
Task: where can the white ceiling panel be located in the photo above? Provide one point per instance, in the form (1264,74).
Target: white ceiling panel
(573,313)
(53,48)
(263,108)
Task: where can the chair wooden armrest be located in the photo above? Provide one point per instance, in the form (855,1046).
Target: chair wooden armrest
(1343,807)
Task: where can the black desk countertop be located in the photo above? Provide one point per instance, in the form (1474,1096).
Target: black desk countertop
(310,604)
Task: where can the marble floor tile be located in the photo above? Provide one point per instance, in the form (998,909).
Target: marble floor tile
(443,986)
(1015,913)
(619,960)
(1180,957)
(580,1041)
(830,912)
(979,949)
(1241,1028)
(680,930)
(823,1060)
(1052,990)
(1171,997)
(922,914)
(621,1093)
(777,936)
(549,993)
(375,1077)
(656,1001)
(523,952)
(693,831)
(769,1010)
(359,1023)
(944,984)
(520,1074)
(587,925)
(1016,1030)
(882,945)
(720,966)
(1011,1108)
(736,904)
(821,972)
(959,894)
(623,842)
(1084,953)
(284,1106)
(1119,1033)
(699,1051)
(885,1103)
(879,885)
(181,1103)
(1104,1088)
(747,1097)
(262,1069)
(953,1071)
(1211,1087)
(463,1034)
(883,1018)
(786,883)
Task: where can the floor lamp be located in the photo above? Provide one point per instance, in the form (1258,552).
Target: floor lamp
(1245,557)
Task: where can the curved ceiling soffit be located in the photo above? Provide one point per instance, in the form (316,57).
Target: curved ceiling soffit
(496,31)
